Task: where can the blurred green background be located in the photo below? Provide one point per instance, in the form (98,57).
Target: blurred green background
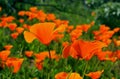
(76,11)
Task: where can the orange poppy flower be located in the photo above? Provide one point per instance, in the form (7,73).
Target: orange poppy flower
(12,26)
(64,75)
(116,42)
(70,28)
(50,17)
(78,49)
(28,53)
(38,64)
(44,32)
(8,47)
(4,55)
(95,75)
(74,76)
(118,54)
(57,22)
(15,63)
(65,44)
(43,55)
(19,29)
(21,20)
(116,29)
(21,13)
(41,16)
(69,51)
(14,35)
(26,26)
(75,34)
(33,9)
(61,75)
(85,27)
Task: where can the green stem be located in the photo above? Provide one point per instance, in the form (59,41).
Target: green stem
(49,52)
(49,63)
(97,64)
(85,69)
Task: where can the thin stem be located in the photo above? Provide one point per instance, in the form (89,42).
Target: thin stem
(49,52)
(97,64)
(85,69)
(48,75)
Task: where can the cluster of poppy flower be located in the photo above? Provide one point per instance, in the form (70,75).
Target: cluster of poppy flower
(50,29)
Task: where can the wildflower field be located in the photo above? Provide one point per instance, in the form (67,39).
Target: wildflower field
(38,45)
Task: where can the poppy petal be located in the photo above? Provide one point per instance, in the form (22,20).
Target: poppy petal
(29,37)
(43,31)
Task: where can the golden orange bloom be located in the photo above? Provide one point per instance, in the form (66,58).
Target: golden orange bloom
(118,54)
(38,64)
(33,9)
(28,53)
(8,47)
(12,26)
(57,22)
(116,42)
(14,35)
(31,15)
(78,49)
(7,19)
(21,13)
(74,76)
(104,34)
(75,34)
(64,75)
(43,55)
(85,27)
(4,55)
(19,29)
(41,16)
(44,32)
(65,44)
(21,20)
(51,17)
(95,75)
(116,29)
(61,75)
(15,63)
(26,26)
(70,28)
